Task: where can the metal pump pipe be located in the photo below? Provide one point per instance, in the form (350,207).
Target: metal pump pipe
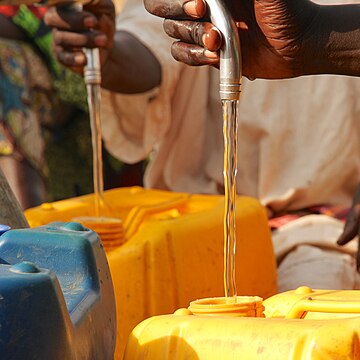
(230,52)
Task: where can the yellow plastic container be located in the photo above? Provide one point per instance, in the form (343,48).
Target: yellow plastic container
(172,249)
(303,324)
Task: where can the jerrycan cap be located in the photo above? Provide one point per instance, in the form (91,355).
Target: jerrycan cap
(240,306)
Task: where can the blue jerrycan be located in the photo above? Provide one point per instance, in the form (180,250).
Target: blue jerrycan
(56,295)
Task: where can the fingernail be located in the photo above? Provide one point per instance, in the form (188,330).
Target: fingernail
(212,39)
(211,54)
(101,40)
(191,9)
(89,22)
(79,59)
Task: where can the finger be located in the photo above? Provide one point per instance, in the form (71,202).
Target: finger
(102,7)
(77,69)
(64,18)
(193,55)
(349,232)
(176,9)
(351,226)
(89,39)
(71,59)
(201,33)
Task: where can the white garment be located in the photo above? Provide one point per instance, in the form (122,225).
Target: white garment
(298,139)
(307,254)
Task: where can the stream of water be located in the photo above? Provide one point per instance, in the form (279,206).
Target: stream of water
(230,127)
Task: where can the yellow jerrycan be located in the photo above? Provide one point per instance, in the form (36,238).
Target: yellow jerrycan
(303,324)
(168,249)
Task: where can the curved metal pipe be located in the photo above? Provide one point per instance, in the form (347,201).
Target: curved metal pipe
(230,52)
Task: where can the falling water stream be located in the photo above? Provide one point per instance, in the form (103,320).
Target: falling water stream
(92,76)
(95,124)
(230,168)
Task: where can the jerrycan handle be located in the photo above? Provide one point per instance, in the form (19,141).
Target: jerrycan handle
(138,214)
(302,307)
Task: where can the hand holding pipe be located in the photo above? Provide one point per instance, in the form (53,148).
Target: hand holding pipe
(92,70)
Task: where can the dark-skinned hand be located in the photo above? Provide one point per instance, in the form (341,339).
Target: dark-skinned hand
(272,33)
(128,66)
(74,30)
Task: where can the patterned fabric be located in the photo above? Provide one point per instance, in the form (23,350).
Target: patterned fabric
(26,101)
(35,90)
(335,211)
(10,10)
(68,85)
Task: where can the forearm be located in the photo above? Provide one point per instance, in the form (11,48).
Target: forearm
(335,47)
(9,30)
(131,67)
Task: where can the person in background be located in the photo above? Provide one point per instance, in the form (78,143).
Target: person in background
(299,152)
(37,95)
(21,72)
(45,141)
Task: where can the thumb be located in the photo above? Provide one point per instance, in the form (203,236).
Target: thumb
(351,227)
(358,259)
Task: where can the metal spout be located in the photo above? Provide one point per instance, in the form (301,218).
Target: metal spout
(230,53)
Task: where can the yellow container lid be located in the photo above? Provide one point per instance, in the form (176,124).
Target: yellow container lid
(240,306)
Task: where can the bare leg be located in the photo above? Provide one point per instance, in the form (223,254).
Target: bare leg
(24,181)
(10,211)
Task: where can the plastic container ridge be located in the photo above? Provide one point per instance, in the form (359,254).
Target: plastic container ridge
(56,295)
